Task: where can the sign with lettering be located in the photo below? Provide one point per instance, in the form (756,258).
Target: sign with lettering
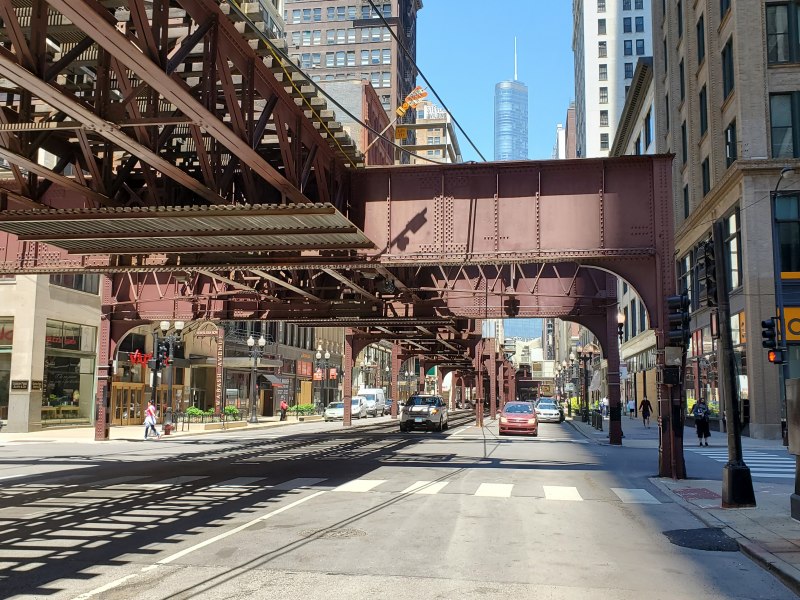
(19,385)
(218,377)
(36,386)
(792,316)
(332,374)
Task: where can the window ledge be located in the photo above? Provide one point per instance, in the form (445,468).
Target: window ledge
(728,101)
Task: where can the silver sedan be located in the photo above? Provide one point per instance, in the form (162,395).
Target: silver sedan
(548,412)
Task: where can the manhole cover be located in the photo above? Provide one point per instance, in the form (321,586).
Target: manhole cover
(710,538)
(333,534)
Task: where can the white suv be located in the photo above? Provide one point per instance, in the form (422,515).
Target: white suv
(424,411)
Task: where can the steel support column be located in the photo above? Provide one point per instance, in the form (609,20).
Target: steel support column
(395,391)
(612,375)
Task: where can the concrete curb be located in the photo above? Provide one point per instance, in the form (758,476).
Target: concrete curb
(789,575)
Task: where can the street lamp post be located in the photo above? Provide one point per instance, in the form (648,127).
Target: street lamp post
(585,354)
(165,355)
(256,352)
(322,365)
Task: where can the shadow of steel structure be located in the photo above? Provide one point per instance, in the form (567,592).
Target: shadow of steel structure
(208,181)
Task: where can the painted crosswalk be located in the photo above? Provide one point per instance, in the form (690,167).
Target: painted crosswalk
(761,464)
(200,485)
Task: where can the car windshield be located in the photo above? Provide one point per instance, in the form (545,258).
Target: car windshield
(336,405)
(369,397)
(356,400)
(421,401)
(547,405)
(519,408)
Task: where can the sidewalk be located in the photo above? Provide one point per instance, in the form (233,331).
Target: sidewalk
(135,433)
(766,533)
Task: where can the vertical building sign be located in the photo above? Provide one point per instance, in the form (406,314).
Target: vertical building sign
(219,375)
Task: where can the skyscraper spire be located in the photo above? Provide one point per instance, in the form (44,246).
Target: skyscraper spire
(515,58)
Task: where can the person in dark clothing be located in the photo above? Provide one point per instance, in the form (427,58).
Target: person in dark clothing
(645,408)
(701,413)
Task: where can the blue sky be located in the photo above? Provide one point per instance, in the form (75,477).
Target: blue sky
(464,47)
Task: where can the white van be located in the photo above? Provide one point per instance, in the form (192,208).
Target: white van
(376,401)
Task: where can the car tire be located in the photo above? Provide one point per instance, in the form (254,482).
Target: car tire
(445,425)
(536,433)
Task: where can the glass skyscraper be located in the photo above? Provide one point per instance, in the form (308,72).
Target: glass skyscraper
(510,121)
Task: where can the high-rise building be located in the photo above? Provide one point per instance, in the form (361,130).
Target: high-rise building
(727,105)
(608,37)
(434,134)
(511,118)
(333,40)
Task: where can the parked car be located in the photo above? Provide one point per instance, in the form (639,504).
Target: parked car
(376,401)
(335,411)
(519,417)
(424,411)
(359,407)
(547,411)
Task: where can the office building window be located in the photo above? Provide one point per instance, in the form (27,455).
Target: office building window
(682,82)
(386,80)
(306,15)
(603,118)
(787,216)
(602,49)
(733,245)
(365,57)
(601,6)
(627,26)
(351,13)
(701,39)
(376,57)
(603,141)
(724,6)
(89,283)
(340,58)
(601,26)
(639,5)
(341,36)
(639,24)
(648,129)
(331,13)
(730,144)
(603,74)
(340,13)
(351,58)
(727,68)
(666,56)
(684,144)
(603,95)
(297,15)
(376,34)
(783,115)
(782,44)
(305,61)
(666,111)
(706,172)
(642,318)
(685,267)
(318,14)
(330,36)
(703,97)
(628,70)
(686,201)
(627,89)
(637,145)
(679,10)
(627,47)
(387,56)
(351,36)
(316,37)
(626,4)
(639,47)
(295,38)
(329,60)
(306,38)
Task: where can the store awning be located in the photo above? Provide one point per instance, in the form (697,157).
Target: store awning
(276,381)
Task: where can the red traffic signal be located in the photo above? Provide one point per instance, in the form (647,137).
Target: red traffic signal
(775,357)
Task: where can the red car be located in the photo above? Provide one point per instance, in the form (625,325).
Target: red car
(519,417)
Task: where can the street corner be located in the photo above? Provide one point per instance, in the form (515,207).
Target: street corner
(702,494)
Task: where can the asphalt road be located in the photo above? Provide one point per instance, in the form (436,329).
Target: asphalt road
(315,511)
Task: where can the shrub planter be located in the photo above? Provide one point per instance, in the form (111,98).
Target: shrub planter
(225,425)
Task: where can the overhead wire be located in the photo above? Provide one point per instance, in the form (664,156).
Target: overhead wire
(421,74)
(279,54)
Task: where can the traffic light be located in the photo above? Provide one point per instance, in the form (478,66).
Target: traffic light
(768,334)
(711,274)
(678,319)
(775,356)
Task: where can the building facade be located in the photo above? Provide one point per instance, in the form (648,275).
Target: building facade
(608,37)
(510,121)
(727,82)
(337,39)
(434,134)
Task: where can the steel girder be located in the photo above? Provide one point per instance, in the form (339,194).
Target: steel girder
(157,102)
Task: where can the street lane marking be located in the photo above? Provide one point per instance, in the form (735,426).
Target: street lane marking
(425,487)
(495,490)
(560,492)
(359,485)
(458,432)
(198,546)
(635,496)
(240,482)
(300,482)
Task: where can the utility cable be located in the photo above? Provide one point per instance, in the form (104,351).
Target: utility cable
(421,74)
(279,54)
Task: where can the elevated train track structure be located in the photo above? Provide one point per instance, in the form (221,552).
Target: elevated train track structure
(167,146)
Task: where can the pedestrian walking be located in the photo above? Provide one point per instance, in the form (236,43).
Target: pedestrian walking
(631,407)
(645,408)
(284,408)
(604,406)
(701,413)
(150,421)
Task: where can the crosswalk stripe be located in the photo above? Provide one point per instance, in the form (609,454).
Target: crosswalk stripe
(635,496)
(359,485)
(300,482)
(240,482)
(425,487)
(494,490)
(560,492)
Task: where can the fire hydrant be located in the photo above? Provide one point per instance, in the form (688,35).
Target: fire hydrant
(168,428)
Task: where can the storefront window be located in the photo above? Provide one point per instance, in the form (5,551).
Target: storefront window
(69,372)
(6,342)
